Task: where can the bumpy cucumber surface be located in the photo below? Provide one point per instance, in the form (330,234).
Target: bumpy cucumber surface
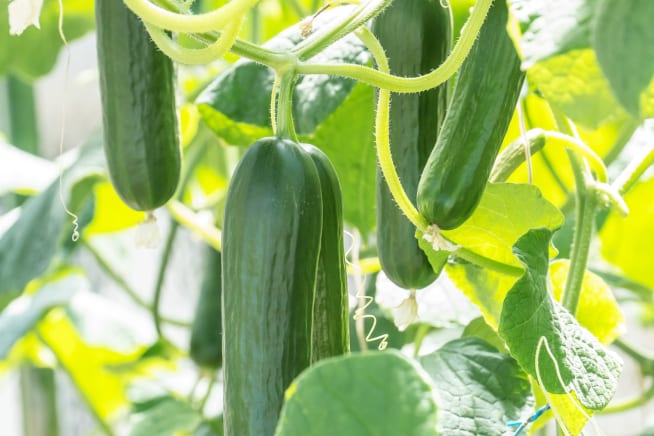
(271,243)
(206,331)
(481,107)
(331,335)
(138,107)
(416,35)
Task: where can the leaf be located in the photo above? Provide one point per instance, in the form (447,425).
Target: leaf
(163,416)
(485,288)
(478,328)
(23,172)
(627,240)
(103,390)
(29,245)
(598,311)
(111,213)
(532,322)
(552,28)
(26,311)
(623,37)
(574,84)
(346,137)
(35,52)
(360,394)
(479,388)
(506,211)
(236,105)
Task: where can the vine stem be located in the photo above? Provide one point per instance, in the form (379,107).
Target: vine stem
(630,175)
(186,217)
(214,20)
(161,276)
(384,80)
(122,283)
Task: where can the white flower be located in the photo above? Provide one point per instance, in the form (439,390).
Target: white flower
(22,14)
(407,312)
(148,234)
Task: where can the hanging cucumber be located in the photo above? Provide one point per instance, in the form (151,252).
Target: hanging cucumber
(481,108)
(331,335)
(271,244)
(206,332)
(416,35)
(138,107)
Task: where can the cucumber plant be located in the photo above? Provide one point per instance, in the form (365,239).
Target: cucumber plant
(436,161)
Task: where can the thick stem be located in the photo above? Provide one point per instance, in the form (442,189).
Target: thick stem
(38,401)
(587,203)
(285,127)
(23,126)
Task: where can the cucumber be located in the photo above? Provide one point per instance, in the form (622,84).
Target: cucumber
(477,118)
(206,331)
(416,35)
(331,336)
(138,109)
(271,243)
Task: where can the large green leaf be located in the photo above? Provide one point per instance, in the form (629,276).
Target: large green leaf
(547,341)
(623,38)
(360,394)
(506,211)
(236,105)
(29,245)
(479,388)
(574,84)
(35,52)
(25,312)
(346,136)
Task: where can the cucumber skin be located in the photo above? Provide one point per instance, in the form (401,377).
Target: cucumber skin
(416,35)
(477,119)
(206,331)
(331,328)
(138,106)
(271,243)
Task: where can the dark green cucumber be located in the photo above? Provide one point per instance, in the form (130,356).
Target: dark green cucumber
(271,243)
(480,110)
(416,35)
(206,331)
(331,336)
(138,108)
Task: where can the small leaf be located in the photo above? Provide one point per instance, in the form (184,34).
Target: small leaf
(623,37)
(532,322)
(479,388)
(360,394)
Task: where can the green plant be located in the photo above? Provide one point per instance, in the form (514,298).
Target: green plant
(541,239)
